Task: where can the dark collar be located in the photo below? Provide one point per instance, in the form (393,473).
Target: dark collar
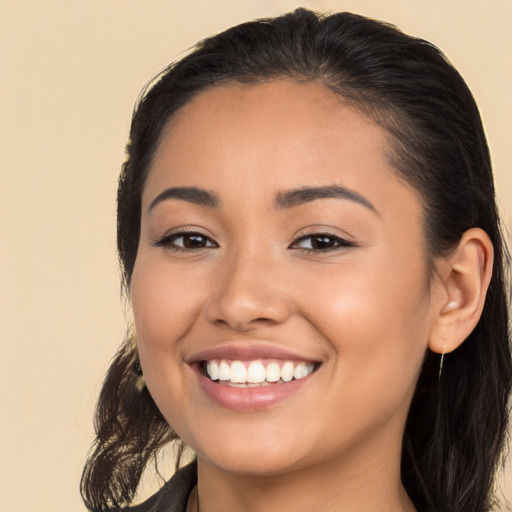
(173,496)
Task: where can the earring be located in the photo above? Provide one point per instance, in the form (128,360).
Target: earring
(441,363)
(140,383)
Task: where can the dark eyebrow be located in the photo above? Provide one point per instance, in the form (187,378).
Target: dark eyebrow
(191,194)
(302,195)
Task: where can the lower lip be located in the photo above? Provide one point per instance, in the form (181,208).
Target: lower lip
(250,399)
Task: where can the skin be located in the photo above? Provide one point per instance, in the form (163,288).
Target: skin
(366,311)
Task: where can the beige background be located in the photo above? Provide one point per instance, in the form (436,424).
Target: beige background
(69,75)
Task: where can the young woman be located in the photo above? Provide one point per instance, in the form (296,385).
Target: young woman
(309,239)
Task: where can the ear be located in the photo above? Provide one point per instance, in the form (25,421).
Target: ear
(462,281)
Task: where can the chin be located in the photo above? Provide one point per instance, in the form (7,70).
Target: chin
(252,464)
(258,455)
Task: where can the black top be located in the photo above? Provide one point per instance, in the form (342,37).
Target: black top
(173,496)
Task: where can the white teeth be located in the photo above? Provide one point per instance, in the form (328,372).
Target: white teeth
(238,372)
(287,371)
(256,373)
(224,371)
(273,372)
(213,370)
(253,374)
(297,371)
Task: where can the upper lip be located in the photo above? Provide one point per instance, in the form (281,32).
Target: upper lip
(246,352)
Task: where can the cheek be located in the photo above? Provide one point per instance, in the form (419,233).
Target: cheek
(374,313)
(164,302)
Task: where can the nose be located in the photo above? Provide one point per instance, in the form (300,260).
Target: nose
(250,291)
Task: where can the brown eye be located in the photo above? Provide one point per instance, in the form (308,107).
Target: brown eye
(186,241)
(192,241)
(321,242)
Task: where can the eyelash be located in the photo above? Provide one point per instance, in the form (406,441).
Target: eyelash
(334,242)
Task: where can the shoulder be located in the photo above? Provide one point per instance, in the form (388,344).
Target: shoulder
(173,496)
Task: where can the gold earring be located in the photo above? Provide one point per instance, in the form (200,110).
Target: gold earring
(140,383)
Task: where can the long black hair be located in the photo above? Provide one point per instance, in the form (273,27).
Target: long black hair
(456,427)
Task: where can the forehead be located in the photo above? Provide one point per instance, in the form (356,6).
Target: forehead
(278,135)
(281,113)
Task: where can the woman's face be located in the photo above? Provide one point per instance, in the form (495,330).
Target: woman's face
(276,240)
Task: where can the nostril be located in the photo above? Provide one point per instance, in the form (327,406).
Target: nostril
(246,325)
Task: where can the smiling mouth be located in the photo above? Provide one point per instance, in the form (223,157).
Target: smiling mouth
(258,373)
